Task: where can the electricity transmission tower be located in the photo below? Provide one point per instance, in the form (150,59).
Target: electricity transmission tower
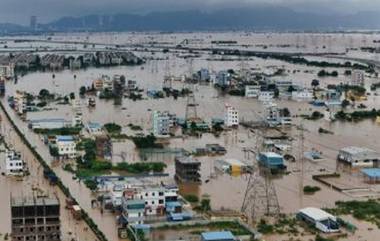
(191,107)
(260,198)
(301,163)
(168,78)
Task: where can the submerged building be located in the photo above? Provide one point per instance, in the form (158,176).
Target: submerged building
(35,219)
(14,165)
(162,123)
(231,116)
(66,147)
(358,156)
(320,219)
(187,169)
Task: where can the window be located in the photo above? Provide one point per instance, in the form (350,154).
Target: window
(160,201)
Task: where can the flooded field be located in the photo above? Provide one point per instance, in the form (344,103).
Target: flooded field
(225,191)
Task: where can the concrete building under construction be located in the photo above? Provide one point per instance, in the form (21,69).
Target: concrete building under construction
(103,147)
(187,169)
(35,219)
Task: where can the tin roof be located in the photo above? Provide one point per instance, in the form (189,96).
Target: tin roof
(225,235)
(65,138)
(316,213)
(371,172)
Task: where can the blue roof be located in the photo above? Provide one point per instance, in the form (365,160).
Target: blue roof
(48,120)
(65,138)
(94,125)
(180,216)
(371,172)
(173,204)
(142,226)
(225,235)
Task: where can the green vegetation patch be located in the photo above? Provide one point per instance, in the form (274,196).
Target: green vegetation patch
(362,210)
(311,189)
(59,131)
(146,142)
(191,198)
(357,115)
(283,225)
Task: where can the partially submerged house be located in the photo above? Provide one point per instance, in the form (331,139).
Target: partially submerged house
(321,220)
(358,156)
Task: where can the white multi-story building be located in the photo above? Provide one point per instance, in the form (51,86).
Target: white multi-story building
(7,71)
(357,78)
(283,85)
(66,146)
(276,116)
(162,122)
(358,156)
(14,165)
(154,200)
(223,78)
(133,210)
(231,116)
(204,75)
(252,91)
(266,96)
(77,113)
(139,202)
(117,195)
(302,95)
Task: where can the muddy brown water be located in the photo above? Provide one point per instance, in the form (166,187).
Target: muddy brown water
(225,191)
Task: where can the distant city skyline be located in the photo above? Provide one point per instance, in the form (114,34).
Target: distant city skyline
(20,11)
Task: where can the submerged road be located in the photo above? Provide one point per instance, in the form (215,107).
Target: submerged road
(78,230)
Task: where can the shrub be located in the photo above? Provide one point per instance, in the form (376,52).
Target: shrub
(311,189)
(191,198)
(113,128)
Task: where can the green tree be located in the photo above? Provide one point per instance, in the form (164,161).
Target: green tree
(345,103)
(44,93)
(82,90)
(205,205)
(315,83)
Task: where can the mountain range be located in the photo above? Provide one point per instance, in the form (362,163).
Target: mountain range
(266,18)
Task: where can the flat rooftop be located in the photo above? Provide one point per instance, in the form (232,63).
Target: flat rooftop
(215,236)
(354,150)
(33,201)
(316,213)
(187,160)
(371,172)
(271,154)
(65,138)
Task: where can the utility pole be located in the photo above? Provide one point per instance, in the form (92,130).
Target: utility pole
(301,164)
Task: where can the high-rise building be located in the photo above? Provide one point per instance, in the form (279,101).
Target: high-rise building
(162,122)
(231,116)
(357,78)
(35,219)
(33,22)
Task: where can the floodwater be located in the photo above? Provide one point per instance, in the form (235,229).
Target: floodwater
(225,191)
(30,185)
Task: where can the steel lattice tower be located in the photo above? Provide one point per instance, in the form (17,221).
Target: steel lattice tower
(191,107)
(260,198)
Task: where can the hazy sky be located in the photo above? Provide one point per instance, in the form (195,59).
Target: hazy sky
(19,11)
